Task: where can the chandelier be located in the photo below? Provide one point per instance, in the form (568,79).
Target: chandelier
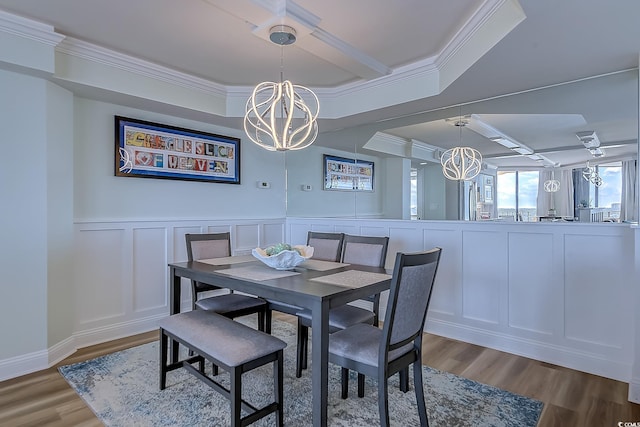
(590,174)
(277,117)
(552,185)
(461,163)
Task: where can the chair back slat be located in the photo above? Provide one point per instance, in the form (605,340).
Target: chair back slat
(409,296)
(326,246)
(207,246)
(206,249)
(365,250)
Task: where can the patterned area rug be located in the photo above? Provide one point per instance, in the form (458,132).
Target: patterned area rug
(122,389)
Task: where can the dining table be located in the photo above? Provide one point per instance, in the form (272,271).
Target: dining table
(315,285)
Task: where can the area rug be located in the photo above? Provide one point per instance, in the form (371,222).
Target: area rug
(122,389)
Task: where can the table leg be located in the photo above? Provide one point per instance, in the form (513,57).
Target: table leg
(320,357)
(174,306)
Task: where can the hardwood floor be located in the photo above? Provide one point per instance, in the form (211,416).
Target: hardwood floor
(572,398)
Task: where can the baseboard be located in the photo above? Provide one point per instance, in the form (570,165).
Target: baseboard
(554,354)
(116,331)
(39,360)
(634,391)
(23,364)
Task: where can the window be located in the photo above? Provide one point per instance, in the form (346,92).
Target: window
(414,193)
(517,192)
(609,194)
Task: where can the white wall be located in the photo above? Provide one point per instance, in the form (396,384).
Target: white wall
(23,215)
(59,183)
(63,286)
(100,195)
(306,167)
(432,201)
(397,188)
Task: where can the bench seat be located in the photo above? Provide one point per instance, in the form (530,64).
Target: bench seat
(234,347)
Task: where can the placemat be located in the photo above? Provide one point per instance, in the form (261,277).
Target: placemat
(229,260)
(257,272)
(352,278)
(319,265)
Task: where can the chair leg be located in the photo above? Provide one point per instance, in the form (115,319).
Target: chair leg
(267,320)
(261,321)
(301,357)
(404,379)
(376,311)
(383,402)
(344,379)
(360,385)
(417,383)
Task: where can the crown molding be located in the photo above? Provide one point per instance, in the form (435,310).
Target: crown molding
(110,58)
(421,79)
(29,29)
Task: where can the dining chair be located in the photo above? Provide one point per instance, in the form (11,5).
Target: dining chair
(230,305)
(380,353)
(326,247)
(362,250)
(370,251)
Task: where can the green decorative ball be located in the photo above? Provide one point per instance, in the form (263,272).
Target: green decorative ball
(276,249)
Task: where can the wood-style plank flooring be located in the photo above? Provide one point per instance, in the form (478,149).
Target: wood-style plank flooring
(572,398)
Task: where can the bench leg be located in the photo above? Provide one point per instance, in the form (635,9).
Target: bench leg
(236,397)
(164,342)
(278,386)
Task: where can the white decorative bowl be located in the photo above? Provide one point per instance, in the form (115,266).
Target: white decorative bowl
(285,260)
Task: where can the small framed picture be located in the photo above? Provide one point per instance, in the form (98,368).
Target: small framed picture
(341,173)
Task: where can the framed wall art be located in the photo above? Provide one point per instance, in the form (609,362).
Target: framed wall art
(345,174)
(151,150)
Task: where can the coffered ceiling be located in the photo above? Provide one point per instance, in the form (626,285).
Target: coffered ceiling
(373,63)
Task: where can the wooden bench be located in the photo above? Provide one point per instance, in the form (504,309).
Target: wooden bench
(234,347)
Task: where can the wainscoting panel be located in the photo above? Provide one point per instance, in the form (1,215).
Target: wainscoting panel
(447,292)
(559,293)
(121,277)
(247,237)
(533,286)
(484,272)
(149,269)
(103,276)
(402,239)
(597,306)
(272,234)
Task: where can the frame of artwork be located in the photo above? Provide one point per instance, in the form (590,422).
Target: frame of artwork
(345,174)
(151,150)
